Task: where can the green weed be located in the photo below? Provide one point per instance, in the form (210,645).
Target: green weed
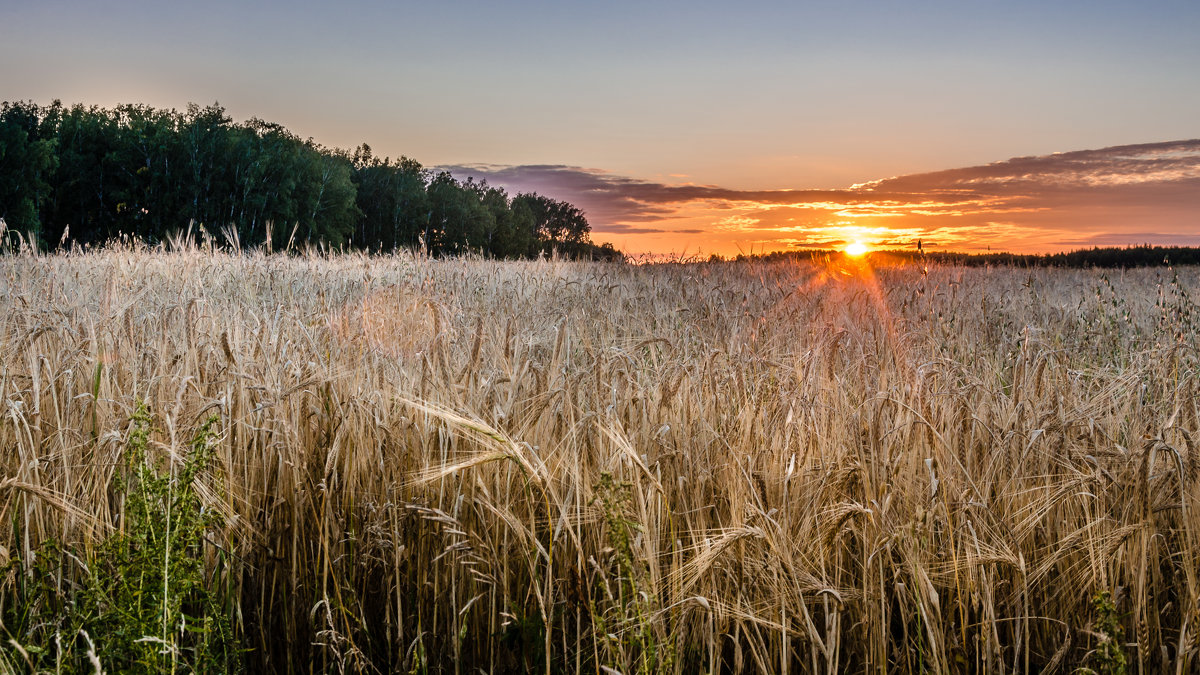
(141,603)
(633,606)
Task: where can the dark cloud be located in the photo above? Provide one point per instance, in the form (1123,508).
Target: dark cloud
(1090,196)
(602,193)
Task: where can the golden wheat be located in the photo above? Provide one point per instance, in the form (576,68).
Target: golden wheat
(444,465)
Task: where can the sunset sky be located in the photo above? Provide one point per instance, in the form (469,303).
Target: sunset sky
(698,127)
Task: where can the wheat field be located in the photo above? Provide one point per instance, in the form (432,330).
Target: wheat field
(464,466)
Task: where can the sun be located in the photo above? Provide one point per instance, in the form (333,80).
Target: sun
(856,249)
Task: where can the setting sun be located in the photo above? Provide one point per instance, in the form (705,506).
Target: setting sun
(856,249)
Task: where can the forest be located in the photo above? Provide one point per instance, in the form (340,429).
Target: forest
(1107,257)
(88,174)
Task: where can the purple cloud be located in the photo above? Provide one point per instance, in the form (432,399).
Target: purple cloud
(1086,197)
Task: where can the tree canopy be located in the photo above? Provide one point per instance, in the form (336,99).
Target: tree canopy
(1144,255)
(96,173)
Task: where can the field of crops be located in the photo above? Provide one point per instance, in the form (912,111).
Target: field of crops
(340,463)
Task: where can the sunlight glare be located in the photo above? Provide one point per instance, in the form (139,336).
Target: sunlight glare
(856,249)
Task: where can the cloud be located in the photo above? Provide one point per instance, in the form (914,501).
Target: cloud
(1119,195)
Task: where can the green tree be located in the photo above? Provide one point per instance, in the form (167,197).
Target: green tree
(26,160)
(83,181)
(206,141)
(267,166)
(151,169)
(327,211)
(458,221)
(501,240)
(145,172)
(524,228)
(556,222)
(392,199)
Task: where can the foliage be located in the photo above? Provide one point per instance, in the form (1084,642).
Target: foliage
(142,601)
(627,612)
(89,175)
(1110,654)
(1110,257)
(26,160)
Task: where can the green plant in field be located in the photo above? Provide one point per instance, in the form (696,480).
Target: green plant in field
(1109,656)
(142,603)
(525,634)
(634,606)
(36,619)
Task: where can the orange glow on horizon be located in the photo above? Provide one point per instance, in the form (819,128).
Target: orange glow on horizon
(856,249)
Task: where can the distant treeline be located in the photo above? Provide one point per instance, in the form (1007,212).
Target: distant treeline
(96,173)
(1131,256)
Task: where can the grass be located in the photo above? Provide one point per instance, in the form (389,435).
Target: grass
(340,463)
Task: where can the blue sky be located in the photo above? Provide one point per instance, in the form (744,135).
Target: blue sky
(752,97)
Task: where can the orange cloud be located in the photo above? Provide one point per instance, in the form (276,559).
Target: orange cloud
(1148,193)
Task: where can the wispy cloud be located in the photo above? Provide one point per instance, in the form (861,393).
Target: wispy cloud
(1125,194)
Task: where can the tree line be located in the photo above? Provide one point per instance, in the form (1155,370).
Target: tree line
(1144,255)
(88,174)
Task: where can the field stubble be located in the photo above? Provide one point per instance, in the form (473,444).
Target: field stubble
(457,465)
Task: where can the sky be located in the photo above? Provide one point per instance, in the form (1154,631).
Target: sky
(699,127)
